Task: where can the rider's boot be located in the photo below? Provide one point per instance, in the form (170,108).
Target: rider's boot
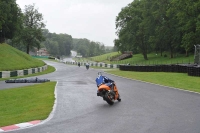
(119,98)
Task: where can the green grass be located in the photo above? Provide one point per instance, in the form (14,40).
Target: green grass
(101,58)
(104,57)
(153,59)
(13,59)
(176,80)
(28,103)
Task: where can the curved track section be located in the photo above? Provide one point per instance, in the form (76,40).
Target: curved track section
(145,108)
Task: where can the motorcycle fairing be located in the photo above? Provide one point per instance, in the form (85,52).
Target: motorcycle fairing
(104,86)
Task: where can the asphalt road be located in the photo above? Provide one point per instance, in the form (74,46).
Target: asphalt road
(145,108)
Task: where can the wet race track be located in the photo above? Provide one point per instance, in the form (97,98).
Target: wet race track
(145,108)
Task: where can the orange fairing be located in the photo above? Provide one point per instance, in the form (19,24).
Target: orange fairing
(103,86)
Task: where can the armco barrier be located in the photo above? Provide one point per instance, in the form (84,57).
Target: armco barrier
(38,69)
(20,72)
(94,64)
(30,71)
(33,70)
(5,74)
(8,74)
(25,72)
(13,74)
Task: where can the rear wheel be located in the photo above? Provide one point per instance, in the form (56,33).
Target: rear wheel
(109,99)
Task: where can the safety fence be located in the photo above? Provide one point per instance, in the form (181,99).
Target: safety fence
(8,74)
(191,70)
(94,64)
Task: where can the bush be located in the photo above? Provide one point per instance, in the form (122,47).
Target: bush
(51,57)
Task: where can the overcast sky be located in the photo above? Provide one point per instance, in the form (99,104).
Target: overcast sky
(91,19)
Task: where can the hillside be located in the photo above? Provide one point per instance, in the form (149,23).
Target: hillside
(14,59)
(153,59)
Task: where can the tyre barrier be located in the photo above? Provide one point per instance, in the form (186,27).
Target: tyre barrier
(192,70)
(35,80)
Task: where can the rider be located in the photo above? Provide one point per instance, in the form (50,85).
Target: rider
(87,65)
(105,80)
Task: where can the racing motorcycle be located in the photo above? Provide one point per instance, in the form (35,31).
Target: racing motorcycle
(107,89)
(87,66)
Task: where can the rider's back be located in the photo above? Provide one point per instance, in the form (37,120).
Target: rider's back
(99,80)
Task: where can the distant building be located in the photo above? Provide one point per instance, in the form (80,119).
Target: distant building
(40,52)
(79,56)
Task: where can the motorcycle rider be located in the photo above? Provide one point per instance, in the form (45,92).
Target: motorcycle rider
(87,65)
(109,82)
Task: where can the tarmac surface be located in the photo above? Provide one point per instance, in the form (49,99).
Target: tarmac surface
(145,107)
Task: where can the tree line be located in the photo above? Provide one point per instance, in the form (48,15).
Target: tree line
(62,44)
(57,44)
(21,29)
(25,30)
(145,26)
(88,48)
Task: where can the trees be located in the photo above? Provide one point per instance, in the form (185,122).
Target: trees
(132,26)
(31,32)
(159,25)
(10,19)
(88,48)
(65,44)
(57,44)
(188,14)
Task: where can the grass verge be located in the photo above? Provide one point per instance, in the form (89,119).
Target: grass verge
(176,80)
(14,59)
(28,103)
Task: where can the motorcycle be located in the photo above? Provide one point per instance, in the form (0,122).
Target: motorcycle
(107,90)
(87,66)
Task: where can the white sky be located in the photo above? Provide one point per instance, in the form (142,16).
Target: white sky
(91,19)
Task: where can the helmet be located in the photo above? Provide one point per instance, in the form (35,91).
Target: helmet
(99,73)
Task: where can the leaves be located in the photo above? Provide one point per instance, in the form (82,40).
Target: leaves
(10,19)
(31,31)
(164,25)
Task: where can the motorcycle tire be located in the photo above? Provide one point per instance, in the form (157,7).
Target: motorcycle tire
(108,99)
